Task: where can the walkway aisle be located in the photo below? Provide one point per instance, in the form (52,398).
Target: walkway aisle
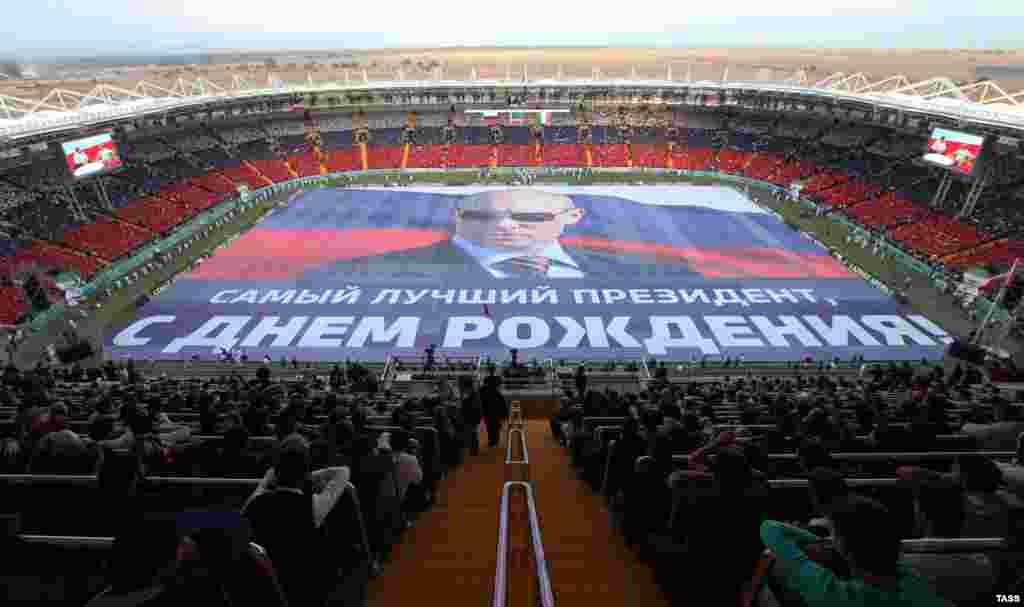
(448,557)
(589,562)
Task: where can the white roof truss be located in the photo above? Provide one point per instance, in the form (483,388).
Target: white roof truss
(111,101)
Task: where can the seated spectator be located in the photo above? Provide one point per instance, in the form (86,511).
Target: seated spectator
(139,435)
(61,449)
(988,511)
(826,486)
(407,465)
(648,498)
(717,559)
(1001,435)
(286,511)
(161,422)
(939,513)
(866,537)
(630,446)
(145,558)
(813,454)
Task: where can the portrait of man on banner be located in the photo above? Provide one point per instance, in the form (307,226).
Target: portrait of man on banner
(507,234)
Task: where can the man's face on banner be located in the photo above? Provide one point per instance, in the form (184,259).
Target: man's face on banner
(515,220)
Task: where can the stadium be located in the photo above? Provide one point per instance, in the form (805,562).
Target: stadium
(662,298)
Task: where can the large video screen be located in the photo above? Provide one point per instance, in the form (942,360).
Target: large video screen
(954,150)
(674,272)
(91,156)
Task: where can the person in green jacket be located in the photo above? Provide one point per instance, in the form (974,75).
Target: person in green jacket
(866,537)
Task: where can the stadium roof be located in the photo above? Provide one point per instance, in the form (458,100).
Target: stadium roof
(983,102)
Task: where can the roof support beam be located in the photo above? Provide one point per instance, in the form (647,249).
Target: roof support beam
(895,81)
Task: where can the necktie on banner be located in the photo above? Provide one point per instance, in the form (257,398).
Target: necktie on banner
(527,265)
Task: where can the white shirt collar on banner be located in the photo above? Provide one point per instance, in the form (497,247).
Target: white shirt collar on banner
(488,257)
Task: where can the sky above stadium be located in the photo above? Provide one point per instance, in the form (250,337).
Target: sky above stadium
(116,26)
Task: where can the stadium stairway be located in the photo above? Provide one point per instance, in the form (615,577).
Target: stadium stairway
(449,554)
(589,562)
(451,550)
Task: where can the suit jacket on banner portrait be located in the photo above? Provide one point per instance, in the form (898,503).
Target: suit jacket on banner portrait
(445,260)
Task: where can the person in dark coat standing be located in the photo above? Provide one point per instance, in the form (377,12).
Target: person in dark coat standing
(495,411)
(581,380)
(472,412)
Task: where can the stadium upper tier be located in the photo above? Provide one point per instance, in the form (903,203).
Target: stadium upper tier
(983,105)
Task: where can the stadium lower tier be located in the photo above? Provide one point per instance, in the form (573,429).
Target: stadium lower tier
(87,248)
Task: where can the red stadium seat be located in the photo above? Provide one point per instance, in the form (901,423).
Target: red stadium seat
(243,175)
(563,154)
(514,155)
(305,164)
(424,157)
(384,156)
(157,214)
(886,211)
(274,170)
(106,238)
(1000,252)
(345,159)
(12,305)
(51,256)
(215,182)
(938,235)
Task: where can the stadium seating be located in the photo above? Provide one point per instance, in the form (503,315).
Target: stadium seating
(563,154)
(157,214)
(217,462)
(515,154)
(106,238)
(215,182)
(1001,252)
(12,305)
(195,172)
(243,174)
(888,210)
(347,160)
(384,157)
(938,236)
(305,165)
(52,256)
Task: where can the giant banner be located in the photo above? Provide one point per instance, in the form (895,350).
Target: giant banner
(673,272)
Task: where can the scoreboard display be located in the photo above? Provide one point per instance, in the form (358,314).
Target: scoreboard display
(90,156)
(955,151)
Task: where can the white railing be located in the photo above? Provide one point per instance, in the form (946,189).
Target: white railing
(547,598)
(509,458)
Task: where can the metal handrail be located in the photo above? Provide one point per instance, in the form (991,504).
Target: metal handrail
(508,447)
(917,546)
(871,456)
(607,467)
(81,479)
(547,598)
(384,375)
(515,414)
(803,483)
